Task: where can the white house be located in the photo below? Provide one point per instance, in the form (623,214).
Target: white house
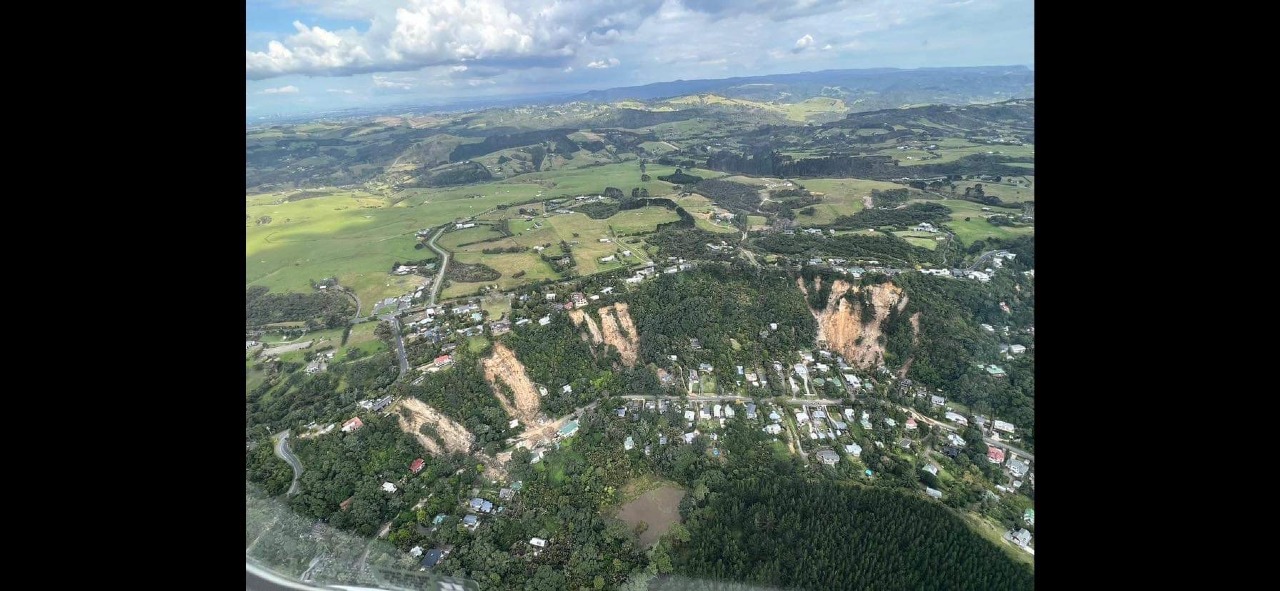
(773,429)
(1003,426)
(854,450)
(539,542)
(387,486)
(956,417)
(608,259)
(1017,349)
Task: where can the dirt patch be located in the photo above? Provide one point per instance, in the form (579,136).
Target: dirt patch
(841,326)
(628,347)
(504,365)
(866,202)
(658,508)
(579,316)
(455,436)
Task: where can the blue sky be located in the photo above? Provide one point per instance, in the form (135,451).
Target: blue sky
(316,55)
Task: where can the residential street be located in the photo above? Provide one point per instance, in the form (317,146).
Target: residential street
(404,358)
(444,263)
(282,450)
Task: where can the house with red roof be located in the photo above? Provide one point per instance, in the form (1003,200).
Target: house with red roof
(417,465)
(911,424)
(443,360)
(352,425)
(995,455)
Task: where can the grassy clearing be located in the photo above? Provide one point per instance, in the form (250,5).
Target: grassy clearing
(756,222)
(355,236)
(496,307)
(1006,192)
(702,209)
(990,531)
(477,344)
(953,154)
(840,197)
(645,219)
(922,239)
(978,228)
(508,264)
(451,240)
(816,106)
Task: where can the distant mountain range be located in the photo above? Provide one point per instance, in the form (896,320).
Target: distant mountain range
(862,90)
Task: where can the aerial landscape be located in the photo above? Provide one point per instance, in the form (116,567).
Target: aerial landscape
(674,327)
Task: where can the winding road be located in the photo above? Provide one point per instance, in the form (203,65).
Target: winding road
(282,451)
(444,264)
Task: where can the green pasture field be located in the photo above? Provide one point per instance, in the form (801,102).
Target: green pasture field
(839,197)
(978,228)
(451,239)
(923,239)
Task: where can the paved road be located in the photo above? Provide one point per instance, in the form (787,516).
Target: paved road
(404,358)
(984,257)
(282,451)
(444,263)
(949,427)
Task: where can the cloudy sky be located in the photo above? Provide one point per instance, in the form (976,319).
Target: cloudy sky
(316,55)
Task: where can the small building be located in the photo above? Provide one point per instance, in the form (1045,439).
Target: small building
(828,457)
(689,437)
(854,450)
(1029,516)
(545,320)
(801,416)
(387,486)
(1002,426)
(417,465)
(415,551)
(751,410)
(956,417)
(890,422)
(506,494)
(937,400)
(930,468)
(933,492)
(352,425)
(995,371)
(629,444)
(905,443)
(432,558)
(470,521)
(911,424)
(1021,537)
(955,440)
(773,429)
(538,542)
(1017,467)
(1017,349)
(481,505)
(569,429)
(995,455)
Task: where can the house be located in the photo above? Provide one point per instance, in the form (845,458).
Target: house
(608,259)
(995,455)
(801,416)
(905,443)
(828,457)
(930,468)
(955,440)
(432,558)
(387,486)
(538,542)
(569,429)
(728,412)
(415,551)
(980,420)
(662,440)
(1022,537)
(545,320)
(381,403)
(622,412)
(471,522)
(705,367)
(751,409)
(567,389)
(1029,516)
(980,276)
(352,425)
(551,297)
(890,422)
(854,450)
(690,415)
(995,371)
(956,417)
(1003,426)
(987,328)
(933,492)
(717,410)
(481,505)
(693,376)
(911,424)
(703,413)
(606,290)
(925,227)
(629,444)
(937,400)
(542,391)
(417,465)
(1017,349)
(443,360)
(695,344)
(773,429)
(1017,467)
(500,327)
(689,437)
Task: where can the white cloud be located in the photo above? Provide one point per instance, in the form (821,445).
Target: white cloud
(291,89)
(804,42)
(601,64)
(340,90)
(386,82)
(826,47)
(567,69)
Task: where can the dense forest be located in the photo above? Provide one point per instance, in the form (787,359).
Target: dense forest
(494,143)
(679,240)
(717,306)
(456,174)
(881,246)
(730,195)
(323,308)
(291,398)
(822,535)
(912,214)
